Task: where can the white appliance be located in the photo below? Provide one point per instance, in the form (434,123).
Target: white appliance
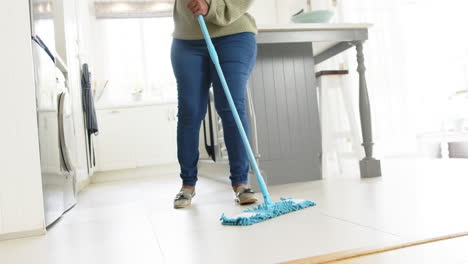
(54,115)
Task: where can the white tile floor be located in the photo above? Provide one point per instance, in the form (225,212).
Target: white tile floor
(133,221)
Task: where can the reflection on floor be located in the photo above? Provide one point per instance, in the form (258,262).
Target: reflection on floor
(132,221)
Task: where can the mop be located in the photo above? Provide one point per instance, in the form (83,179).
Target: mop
(268,209)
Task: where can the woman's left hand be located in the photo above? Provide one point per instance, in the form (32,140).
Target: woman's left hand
(198,7)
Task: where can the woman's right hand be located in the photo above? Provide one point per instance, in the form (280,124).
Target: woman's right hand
(198,7)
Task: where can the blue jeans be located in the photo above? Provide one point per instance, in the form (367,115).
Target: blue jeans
(195,73)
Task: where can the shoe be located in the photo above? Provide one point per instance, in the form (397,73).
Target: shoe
(245,195)
(183,198)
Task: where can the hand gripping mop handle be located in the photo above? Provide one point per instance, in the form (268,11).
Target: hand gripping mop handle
(245,140)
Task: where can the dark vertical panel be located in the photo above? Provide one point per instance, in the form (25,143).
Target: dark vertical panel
(281,105)
(258,93)
(283,85)
(270,102)
(311,88)
(293,108)
(301,102)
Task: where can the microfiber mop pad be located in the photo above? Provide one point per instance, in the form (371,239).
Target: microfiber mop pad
(268,209)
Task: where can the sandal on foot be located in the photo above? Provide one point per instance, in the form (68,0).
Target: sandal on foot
(245,195)
(183,198)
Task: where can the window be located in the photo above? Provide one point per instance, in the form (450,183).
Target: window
(133,57)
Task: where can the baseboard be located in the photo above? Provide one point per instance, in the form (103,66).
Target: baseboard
(135,173)
(82,173)
(22,234)
(81,184)
(82,179)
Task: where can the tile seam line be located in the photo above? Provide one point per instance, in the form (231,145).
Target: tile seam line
(153,229)
(361,225)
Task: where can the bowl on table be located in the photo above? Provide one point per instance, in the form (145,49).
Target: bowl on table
(317,16)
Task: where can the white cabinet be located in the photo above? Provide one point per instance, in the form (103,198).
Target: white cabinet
(156,142)
(115,141)
(136,136)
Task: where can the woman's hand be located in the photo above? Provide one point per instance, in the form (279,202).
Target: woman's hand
(198,7)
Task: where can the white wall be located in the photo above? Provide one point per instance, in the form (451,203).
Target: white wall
(264,11)
(280,11)
(275,11)
(21,203)
(410,72)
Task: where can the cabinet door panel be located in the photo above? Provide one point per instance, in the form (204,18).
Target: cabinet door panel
(156,136)
(116,140)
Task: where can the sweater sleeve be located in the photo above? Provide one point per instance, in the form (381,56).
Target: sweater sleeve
(225,12)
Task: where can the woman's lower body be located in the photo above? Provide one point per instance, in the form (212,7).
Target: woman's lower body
(195,73)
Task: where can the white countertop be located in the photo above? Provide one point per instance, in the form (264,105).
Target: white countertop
(331,33)
(312,26)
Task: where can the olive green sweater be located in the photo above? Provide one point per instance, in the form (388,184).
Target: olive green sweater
(224,17)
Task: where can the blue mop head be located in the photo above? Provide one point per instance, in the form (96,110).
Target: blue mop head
(266,211)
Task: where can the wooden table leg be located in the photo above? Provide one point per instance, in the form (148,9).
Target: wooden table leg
(369,166)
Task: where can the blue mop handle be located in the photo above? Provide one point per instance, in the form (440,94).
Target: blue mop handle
(240,127)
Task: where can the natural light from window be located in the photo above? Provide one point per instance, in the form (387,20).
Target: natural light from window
(133,58)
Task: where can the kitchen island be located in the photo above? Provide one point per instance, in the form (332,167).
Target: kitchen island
(283,103)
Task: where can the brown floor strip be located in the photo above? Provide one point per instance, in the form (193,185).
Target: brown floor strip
(355,253)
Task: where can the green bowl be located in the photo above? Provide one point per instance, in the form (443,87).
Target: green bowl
(318,16)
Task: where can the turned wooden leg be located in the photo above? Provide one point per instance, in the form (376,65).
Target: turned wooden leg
(369,166)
